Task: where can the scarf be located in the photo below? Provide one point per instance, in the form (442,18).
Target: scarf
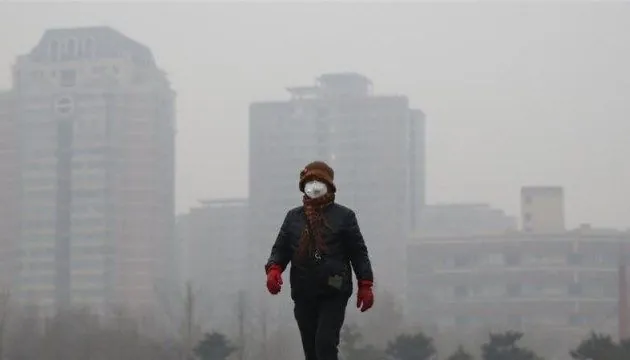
(309,243)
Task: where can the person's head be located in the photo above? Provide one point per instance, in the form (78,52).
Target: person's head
(317,179)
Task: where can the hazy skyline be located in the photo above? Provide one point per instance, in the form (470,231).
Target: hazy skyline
(515,94)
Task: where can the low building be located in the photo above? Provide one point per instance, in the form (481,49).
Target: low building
(214,240)
(517,280)
(464,219)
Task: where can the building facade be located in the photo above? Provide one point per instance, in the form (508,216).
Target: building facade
(542,209)
(543,277)
(517,280)
(96,144)
(214,239)
(375,144)
(9,191)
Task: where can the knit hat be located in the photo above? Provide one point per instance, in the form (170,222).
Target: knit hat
(318,170)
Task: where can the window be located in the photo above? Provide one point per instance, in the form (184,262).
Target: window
(87,251)
(531,289)
(87,278)
(36,75)
(71,49)
(575,289)
(322,112)
(461,261)
(514,290)
(88,47)
(99,70)
(460,291)
(528,217)
(610,289)
(496,259)
(64,106)
(68,78)
(575,259)
(527,199)
(53,50)
(578,320)
(512,259)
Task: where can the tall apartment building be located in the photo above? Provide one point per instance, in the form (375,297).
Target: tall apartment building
(96,141)
(214,239)
(375,143)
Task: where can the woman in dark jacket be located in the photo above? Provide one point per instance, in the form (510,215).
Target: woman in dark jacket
(323,243)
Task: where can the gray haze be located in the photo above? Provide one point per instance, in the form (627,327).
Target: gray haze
(515,94)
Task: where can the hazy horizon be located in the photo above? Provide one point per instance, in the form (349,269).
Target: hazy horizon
(515,94)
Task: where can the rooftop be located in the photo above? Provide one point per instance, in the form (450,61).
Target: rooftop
(224,202)
(343,77)
(335,84)
(65,44)
(583,233)
(541,189)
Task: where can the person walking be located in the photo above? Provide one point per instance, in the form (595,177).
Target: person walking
(323,243)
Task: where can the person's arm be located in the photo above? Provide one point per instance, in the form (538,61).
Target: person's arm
(281,252)
(357,250)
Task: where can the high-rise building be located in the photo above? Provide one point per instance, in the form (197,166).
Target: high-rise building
(96,141)
(214,240)
(375,143)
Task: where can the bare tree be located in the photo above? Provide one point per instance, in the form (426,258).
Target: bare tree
(285,344)
(5,298)
(189,322)
(25,324)
(241,315)
(263,333)
(383,322)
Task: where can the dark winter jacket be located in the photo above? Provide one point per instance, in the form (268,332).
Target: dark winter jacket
(345,250)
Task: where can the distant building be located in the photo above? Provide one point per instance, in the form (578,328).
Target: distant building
(375,143)
(554,280)
(518,280)
(542,209)
(9,191)
(96,141)
(214,238)
(464,219)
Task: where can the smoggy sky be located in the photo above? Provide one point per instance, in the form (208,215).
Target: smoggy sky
(515,93)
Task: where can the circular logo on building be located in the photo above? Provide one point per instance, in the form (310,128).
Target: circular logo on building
(64,105)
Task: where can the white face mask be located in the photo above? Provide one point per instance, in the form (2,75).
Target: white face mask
(315,189)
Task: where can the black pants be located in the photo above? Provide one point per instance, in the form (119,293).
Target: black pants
(320,321)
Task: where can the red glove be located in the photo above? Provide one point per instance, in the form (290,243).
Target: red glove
(365,296)
(274,279)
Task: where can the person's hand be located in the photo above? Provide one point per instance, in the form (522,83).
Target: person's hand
(274,279)
(365,296)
